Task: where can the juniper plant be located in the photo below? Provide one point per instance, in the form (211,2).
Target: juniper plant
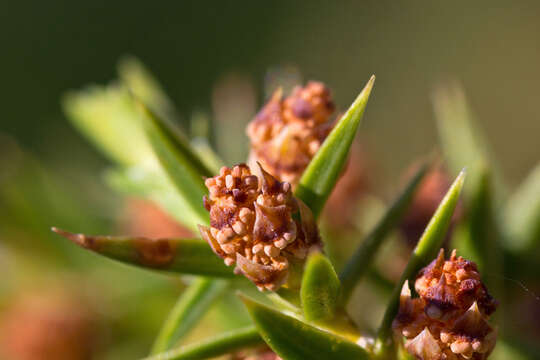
(257,233)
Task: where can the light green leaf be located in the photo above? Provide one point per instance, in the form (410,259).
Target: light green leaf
(183,166)
(477,236)
(423,253)
(522,214)
(191,306)
(293,339)
(186,256)
(219,345)
(363,257)
(322,173)
(107,117)
(320,288)
(144,85)
(202,148)
(153,185)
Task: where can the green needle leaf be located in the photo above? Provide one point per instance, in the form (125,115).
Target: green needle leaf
(185,169)
(155,186)
(523,214)
(191,306)
(322,173)
(362,259)
(219,345)
(293,339)
(186,256)
(477,236)
(423,253)
(320,288)
(144,85)
(107,117)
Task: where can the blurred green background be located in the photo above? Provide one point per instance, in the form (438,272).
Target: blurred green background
(50,175)
(491,47)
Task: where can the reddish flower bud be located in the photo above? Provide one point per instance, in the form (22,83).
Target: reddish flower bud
(252,225)
(450,318)
(287,133)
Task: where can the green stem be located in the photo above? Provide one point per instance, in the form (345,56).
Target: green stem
(216,346)
(191,306)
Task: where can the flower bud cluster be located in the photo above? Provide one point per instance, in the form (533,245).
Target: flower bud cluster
(449,319)
(252,225)
(287,133)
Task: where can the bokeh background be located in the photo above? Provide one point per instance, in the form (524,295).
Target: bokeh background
(203,52)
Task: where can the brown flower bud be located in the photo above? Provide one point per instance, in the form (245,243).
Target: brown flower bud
(449,319)
(252,225)
(286,133)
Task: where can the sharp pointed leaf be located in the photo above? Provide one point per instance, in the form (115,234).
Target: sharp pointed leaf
(362,259)
(219,345)
(185,169)
(186,256)
(423,253)
(190,307)
(477,237)
(322,173)
(293,339)
(320,288)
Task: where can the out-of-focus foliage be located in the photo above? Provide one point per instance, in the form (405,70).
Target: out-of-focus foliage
(215,79)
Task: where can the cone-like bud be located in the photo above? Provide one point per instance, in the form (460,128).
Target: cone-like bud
(286,133)
(451,312)
(252,224)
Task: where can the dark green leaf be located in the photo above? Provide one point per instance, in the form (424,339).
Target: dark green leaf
(423,253)
(320,288)
(322,173)
(293,339)
(189,309)
(186,256)
(219,345)
(362,259)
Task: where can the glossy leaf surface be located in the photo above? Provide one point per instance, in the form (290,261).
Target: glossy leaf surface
(320,288)
(322,173)
(293,339)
